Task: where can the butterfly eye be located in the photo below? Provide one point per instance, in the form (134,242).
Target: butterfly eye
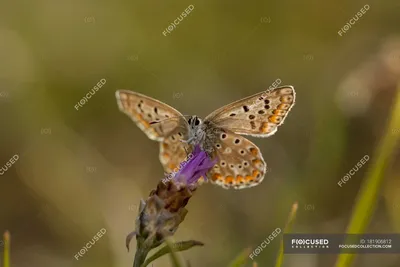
(197,122)
(190,120)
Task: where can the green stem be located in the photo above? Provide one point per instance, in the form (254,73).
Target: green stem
(367,198)
(140,256)
(6,260)
(288,227)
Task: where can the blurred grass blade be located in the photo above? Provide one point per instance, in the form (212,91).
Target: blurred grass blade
(255,264)
(241,259)
(178,246)
(368,194)
(287,229)
(6,260)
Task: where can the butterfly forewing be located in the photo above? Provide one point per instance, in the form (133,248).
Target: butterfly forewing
(240,163)
(169,128)
(144,111)
(257,115)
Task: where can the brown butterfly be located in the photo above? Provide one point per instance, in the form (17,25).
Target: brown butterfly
(239,161)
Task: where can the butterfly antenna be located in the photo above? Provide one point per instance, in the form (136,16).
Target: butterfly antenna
(154,122)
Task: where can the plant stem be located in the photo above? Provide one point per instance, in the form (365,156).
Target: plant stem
(366,201)
(140,256)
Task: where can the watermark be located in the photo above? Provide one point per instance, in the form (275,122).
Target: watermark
(395,131)
(341,243)
(176,22)
(181,165)
(91,169)
(4,94)
(89,20)
(266,242)
(353,20)
(132,207)
(309,207)
(353,171)
(89,245)
(9,164)
(91,93)
(353,93)
(308,57)
(45,131)
(177,95)
(132,58)
(265,19)
(275,84)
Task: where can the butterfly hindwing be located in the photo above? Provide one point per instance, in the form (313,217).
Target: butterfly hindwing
(257,115)
(240,163)
(173,151)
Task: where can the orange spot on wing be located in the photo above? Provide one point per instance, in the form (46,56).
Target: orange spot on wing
(229,179)
(286,99)
(256,161)
(249,178)
(255,173)
(165,156)
(283,106)
(254,151)
(264,127)
(172,166)
(279,112)
(239,178)
(216,176)
(165,146)
(142,121)
(275,119)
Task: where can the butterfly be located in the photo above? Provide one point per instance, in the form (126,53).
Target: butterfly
(240,163)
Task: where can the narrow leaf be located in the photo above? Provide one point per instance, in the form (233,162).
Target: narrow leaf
(178,246)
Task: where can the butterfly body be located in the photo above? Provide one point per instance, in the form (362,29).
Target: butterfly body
(202,133)
(240,163)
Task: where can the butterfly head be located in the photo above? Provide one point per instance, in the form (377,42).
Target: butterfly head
(194,122)
(196,132)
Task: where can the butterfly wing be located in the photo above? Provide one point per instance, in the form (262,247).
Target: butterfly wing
(257,115)
(240,163)
(173,151)
(144,110)
(170,129)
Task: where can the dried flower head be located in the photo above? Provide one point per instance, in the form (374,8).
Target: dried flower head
(163,211)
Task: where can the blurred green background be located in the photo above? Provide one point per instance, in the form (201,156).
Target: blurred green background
(83,170)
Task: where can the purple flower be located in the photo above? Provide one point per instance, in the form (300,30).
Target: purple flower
(164,210)
(197,166)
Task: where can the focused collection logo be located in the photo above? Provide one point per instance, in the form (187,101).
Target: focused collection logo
(310,243)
